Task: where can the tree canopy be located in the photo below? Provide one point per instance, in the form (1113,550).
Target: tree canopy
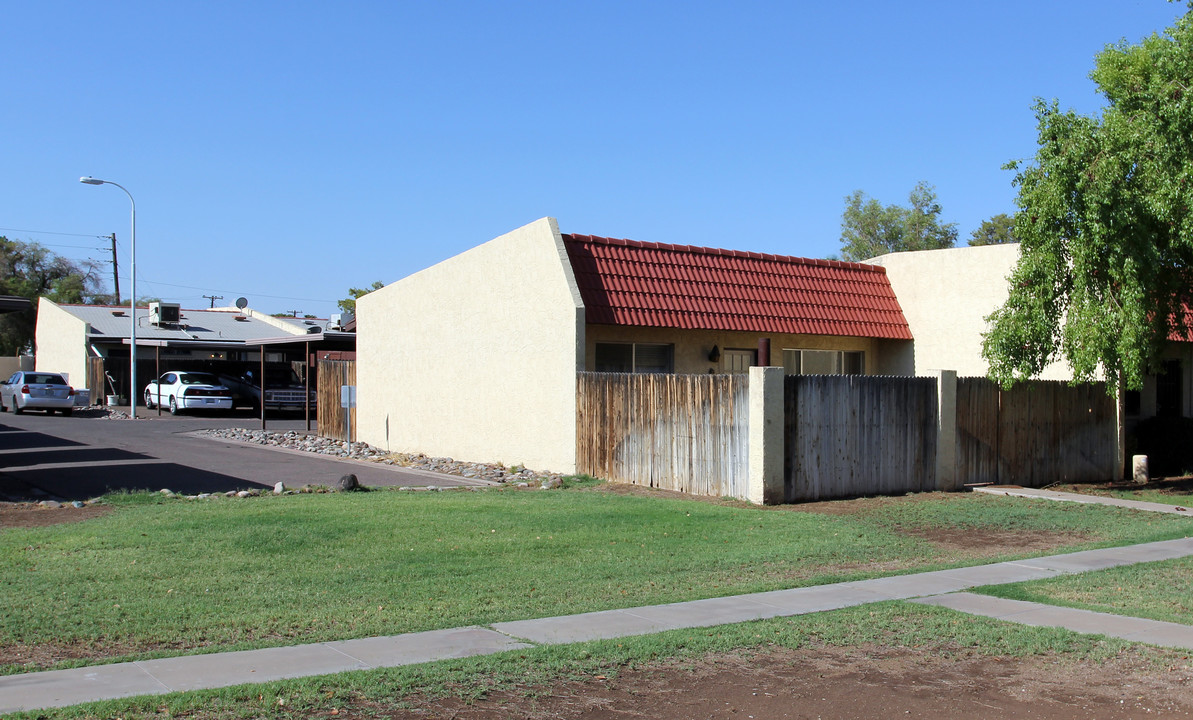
(869,228)
(1104,223)
(998,230)
(349,304)
(31,271)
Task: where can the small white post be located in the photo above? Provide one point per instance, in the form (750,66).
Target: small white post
(1139,468)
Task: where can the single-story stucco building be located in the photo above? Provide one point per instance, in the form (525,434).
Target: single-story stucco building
(946,296)
(90,344)
(476,357)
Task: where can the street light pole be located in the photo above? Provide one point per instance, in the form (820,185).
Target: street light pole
(132,302)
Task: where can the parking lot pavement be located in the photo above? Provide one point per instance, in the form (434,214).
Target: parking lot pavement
(85,455)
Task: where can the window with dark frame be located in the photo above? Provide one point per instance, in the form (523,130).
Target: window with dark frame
(634,357)
(823,362)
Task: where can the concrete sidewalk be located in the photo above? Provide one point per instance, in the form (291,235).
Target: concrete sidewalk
(58,688)
(1016,491)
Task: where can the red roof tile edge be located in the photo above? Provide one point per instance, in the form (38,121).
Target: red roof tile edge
(727,253)
(624,297)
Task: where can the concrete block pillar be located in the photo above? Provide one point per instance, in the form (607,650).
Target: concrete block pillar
(946,436)
(766,436)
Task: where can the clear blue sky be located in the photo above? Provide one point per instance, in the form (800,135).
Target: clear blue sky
(286,151)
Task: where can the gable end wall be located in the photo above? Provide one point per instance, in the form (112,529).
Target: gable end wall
(475,358)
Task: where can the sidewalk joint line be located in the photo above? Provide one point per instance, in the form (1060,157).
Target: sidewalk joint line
(353,658)
(155,678)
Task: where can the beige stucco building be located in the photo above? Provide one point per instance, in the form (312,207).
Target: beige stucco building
(947,295)
(476,357)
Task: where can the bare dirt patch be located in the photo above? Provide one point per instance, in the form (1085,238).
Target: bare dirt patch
(834,682)
(24,515)
(977,543)
(30,658)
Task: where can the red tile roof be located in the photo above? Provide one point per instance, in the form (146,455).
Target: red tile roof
(624,282)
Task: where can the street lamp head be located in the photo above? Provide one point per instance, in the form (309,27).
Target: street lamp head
(88,180)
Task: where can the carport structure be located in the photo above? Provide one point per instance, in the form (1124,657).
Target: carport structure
(91,343)
(14,303)
(318,343)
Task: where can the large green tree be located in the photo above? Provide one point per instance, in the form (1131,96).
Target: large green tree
(349,304)
(869,228)
(1105,228)
(998,230)
(31,271)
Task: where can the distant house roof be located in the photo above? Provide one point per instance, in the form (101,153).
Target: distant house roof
(624,282)
(194,326)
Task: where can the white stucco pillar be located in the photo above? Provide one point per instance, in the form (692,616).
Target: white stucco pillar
(766,436)
(946,435)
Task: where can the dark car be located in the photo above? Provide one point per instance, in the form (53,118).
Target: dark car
(284,390)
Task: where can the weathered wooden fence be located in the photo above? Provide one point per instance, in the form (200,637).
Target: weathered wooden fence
(841,436)
(333,374)
(856,435)
(97,381)
(675,432)
(1037,433)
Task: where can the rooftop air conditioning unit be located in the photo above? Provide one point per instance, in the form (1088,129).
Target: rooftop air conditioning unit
(339,320)
(161,313)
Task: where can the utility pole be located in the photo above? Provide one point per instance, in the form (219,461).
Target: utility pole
(115,273)
(213,298)
(294,313)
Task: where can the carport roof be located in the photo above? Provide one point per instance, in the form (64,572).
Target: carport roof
(624,282)
(196,326)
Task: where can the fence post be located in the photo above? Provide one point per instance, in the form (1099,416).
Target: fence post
(766,436)
(946,433)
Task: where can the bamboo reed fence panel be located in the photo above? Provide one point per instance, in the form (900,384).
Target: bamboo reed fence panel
(332,375)
(850,435)
(688,433)
(1037,433)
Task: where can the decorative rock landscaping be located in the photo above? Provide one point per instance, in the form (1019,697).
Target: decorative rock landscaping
(516,475)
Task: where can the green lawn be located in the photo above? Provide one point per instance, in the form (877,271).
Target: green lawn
(1159,590)
(168,576)
(370,693)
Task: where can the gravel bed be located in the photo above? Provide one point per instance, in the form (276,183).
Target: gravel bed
(493,472)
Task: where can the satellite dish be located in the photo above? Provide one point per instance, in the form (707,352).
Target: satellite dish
(242,303)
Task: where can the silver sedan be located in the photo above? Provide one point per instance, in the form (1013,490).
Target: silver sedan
(36,391)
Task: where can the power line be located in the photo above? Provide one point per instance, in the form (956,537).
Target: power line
(273,297)
(47,232)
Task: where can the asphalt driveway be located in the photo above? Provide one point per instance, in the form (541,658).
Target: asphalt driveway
(80,457)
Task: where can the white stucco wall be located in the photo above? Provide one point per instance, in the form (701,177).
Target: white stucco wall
(946,296)
(60,343)
(475,358)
